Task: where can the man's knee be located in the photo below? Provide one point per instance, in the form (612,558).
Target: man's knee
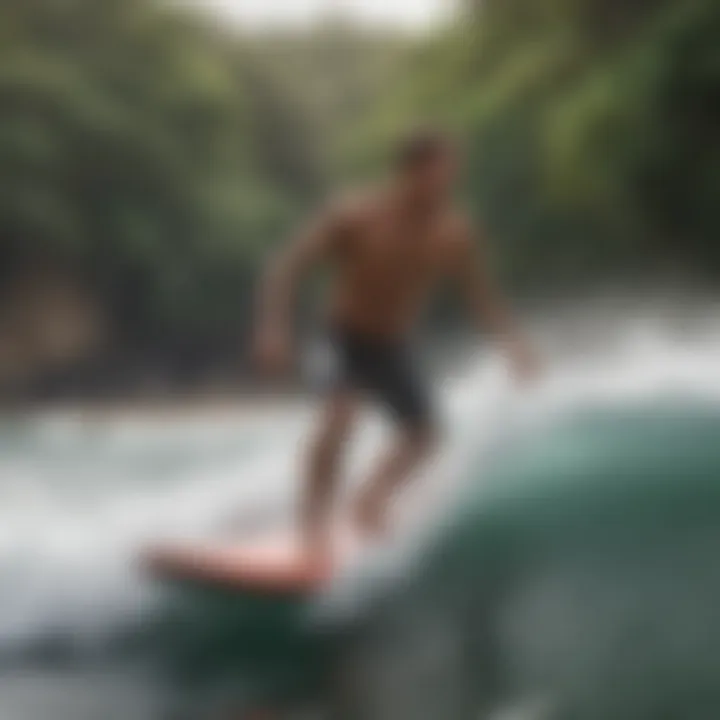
(424,437)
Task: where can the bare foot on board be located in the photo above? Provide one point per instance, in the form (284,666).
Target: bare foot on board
(318,553)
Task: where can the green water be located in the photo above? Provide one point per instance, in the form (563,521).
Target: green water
(569,572)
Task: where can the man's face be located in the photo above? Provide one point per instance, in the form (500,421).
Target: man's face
(433,179)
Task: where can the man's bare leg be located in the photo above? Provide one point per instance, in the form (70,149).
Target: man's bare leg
(323,466)
(410,450)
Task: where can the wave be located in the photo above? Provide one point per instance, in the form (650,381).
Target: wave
(559,563)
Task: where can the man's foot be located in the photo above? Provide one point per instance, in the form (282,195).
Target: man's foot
(318,550)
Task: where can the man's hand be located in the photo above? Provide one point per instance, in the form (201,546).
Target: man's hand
(272,349)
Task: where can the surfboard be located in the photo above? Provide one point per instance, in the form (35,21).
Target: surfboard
(273,564)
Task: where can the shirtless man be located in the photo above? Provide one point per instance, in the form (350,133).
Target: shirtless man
(387,250)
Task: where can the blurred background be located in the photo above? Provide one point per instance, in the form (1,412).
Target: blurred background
(153,153)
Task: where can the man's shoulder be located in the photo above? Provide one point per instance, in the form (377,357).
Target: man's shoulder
(457,226)
(354,206)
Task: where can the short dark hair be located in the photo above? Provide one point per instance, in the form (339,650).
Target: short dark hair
(419,147)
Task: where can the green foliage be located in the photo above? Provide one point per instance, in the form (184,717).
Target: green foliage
(130,151)
(159,156)
(335,74)
(593,128)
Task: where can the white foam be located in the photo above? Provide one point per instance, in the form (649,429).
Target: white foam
(78,497)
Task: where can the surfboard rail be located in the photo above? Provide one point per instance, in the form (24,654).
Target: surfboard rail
(271,569)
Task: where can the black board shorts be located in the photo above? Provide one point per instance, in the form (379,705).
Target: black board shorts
(383,369)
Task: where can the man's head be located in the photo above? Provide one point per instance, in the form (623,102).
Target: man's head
(427,164)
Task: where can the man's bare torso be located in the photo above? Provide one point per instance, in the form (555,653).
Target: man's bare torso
(388,262)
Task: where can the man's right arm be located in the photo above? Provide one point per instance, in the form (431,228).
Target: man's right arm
(313,246)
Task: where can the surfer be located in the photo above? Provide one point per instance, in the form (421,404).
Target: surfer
(386,249)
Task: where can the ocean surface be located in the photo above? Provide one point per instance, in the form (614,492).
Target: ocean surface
(81,629)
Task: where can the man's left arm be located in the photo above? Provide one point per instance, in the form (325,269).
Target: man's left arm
(487,304)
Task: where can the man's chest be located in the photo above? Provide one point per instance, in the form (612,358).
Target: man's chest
(402,257)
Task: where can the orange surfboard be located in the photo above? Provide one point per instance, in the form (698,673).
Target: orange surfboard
(276,564)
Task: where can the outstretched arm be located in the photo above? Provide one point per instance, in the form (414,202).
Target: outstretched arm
(315,244)
(488,305)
